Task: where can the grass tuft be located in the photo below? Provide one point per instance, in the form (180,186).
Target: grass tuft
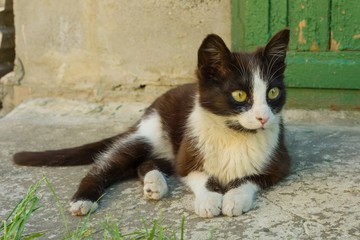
(12,228)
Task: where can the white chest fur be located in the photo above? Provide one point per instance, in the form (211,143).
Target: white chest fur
(229,154)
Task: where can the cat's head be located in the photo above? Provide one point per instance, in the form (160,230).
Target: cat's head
(247,89)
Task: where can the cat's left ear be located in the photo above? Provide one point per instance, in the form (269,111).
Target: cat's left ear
(213,58)
(277,46)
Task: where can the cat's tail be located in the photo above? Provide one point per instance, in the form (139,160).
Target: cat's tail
(81,155)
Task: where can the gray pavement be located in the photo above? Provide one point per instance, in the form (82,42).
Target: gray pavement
(319,200)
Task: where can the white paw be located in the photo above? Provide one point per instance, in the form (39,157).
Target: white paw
(155,186)
(208,204)
(239,200)
(82,207)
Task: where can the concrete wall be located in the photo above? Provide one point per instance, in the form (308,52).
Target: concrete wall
(108,50)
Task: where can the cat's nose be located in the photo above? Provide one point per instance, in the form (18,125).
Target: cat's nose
(262,120)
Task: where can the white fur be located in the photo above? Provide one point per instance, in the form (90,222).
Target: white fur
(207,203)
(103,160)
(150,128)
(82,207)
(229,154)
(155,186)
(239,200)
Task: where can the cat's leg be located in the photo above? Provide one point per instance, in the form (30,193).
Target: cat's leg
(188,165)
(153,174)
(239,199)
(208,203)
(119,162)
(240,193)
(155,185)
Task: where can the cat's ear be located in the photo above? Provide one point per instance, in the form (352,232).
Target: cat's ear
(213,57)
(277,46)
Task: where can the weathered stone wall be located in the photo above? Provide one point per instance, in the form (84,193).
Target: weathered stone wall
(111,49)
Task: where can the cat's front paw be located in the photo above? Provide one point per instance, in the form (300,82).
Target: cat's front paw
(239,200)
(208,204)
(155,186)
(82,207)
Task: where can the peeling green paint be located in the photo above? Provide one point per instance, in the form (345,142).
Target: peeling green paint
(345,24)
(309,23)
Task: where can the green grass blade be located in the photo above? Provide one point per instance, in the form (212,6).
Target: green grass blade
(153,230)
(145,226)
(26,216)
(161,233)
(12,212)
(33,236)
(14,224)
(112,230)
(212,231)
(182,228)
(62,211)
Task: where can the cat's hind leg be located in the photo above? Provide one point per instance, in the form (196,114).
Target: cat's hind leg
(153,174)
(155,185)
(118,162)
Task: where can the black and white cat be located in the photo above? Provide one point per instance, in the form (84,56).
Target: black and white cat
(223,137)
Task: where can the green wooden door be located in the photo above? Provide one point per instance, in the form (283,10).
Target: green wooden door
(324,53)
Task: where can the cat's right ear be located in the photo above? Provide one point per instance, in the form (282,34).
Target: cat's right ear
(213,58)
(277,46)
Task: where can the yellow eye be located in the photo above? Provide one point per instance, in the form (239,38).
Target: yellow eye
(273,93)
(239,95)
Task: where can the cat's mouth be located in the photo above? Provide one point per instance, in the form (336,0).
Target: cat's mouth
(236,126)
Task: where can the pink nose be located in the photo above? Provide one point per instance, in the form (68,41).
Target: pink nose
(263,120)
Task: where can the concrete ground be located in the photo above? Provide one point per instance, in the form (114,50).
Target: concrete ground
(319,200)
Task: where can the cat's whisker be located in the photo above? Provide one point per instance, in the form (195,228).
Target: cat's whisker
(270,65)
(272,77)
(240,63)
(273,60)
(238,69)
